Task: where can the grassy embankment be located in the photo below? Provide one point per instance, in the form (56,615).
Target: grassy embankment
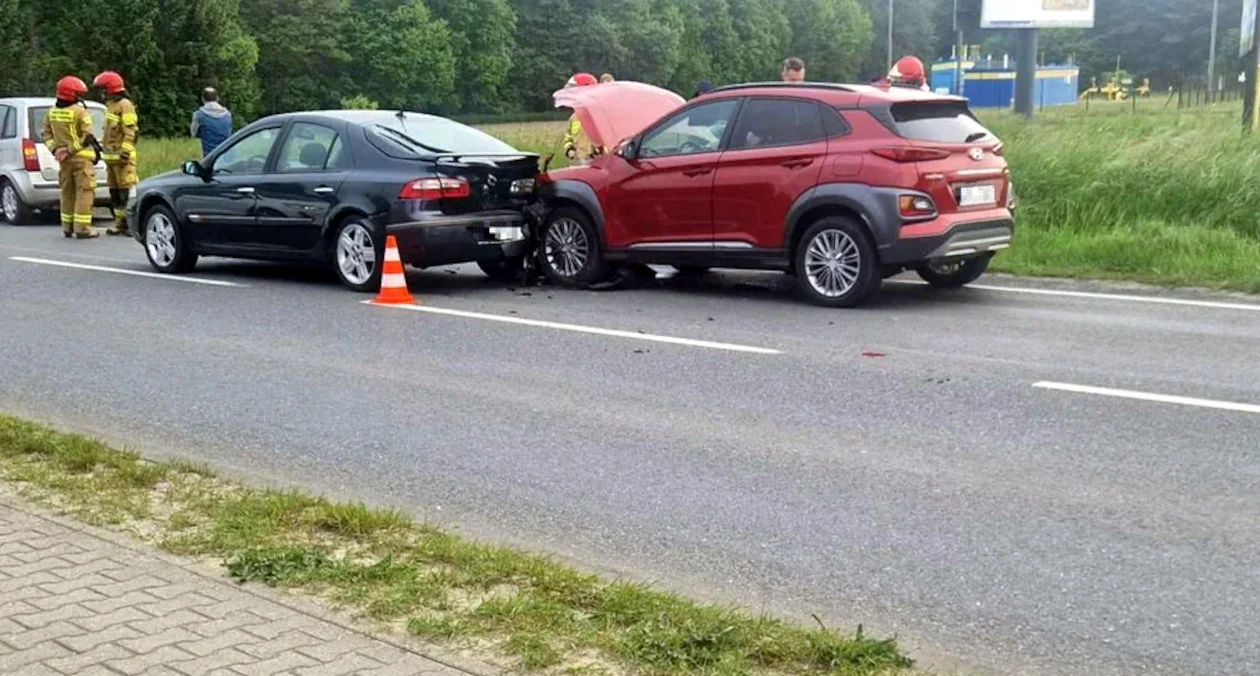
(496,601)
(1158,196)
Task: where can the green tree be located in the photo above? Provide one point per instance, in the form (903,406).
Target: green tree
(483,39)
(302,62)
(831,36)
(403,55)
(547,34)
(914,33)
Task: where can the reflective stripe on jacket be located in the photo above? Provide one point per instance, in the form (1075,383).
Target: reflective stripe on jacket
(69,128)
(122,125)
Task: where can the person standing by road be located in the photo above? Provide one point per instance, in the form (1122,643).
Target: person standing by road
(607,78)
(212,123)
(793,71)
(577,145)
(67,133)
(908,72)
(122,126)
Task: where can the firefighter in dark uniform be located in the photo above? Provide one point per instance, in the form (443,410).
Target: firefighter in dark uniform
(68,134)
(121,128)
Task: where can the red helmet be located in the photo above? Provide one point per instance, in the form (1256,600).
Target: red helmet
(110,81)
(909,70)
(70,88)
(581,80)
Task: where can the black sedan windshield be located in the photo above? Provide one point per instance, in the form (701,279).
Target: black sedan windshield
(424,136)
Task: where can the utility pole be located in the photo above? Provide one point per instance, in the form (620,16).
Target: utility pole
(1026,72)
(890,32)
(958,67)
(1251,114)
(1216,15)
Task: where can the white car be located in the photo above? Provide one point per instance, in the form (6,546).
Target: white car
(28,171)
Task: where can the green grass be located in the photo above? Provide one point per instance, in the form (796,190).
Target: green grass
(524,609)
(1156,196)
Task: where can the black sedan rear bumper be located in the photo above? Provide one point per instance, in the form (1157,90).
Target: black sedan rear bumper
(428,239)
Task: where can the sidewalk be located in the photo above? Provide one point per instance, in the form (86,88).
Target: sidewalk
(77,600)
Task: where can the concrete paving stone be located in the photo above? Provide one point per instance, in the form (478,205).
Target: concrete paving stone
(116,617)
(137,664)
(79,596)
(33,637)
(44,618)
(234,638)
(152,642)
(219,659)
(89,640)
(290,640)
(281,663)
(131,599)
(239,619)
(353,663)
(81,660)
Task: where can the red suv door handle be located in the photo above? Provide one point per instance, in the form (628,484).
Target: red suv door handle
(692,173)
(797,164)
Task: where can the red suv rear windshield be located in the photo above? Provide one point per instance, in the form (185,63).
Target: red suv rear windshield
(937,121)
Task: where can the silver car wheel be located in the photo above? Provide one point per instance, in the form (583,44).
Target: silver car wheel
(9,202)
(356,254)
(566,247)
(159,239)
(833,263)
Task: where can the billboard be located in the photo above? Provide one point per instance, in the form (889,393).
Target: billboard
(1037,14)
(1248,36)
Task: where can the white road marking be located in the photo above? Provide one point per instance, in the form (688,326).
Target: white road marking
(120,271)
(1249,307)
(1147,396)
(577,328)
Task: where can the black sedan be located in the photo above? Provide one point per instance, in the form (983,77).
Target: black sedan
(329,186)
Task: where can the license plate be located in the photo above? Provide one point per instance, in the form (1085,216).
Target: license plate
(972,195)
(506,234)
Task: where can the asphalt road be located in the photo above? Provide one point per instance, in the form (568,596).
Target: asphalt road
(894,466)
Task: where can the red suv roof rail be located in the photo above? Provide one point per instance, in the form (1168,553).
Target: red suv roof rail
(784,85)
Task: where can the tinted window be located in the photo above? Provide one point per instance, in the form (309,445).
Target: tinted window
(37,121)
(942,122)
(8,122)
(339,156)
(833,124)
(307,148)
(693,131)
(778,122)
(427,136)
(248,155)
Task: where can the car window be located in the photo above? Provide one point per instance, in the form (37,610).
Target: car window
(416,136)
(8,122)
(938,121)
(339,156)
(307,148)
(37,121)
(778,122)
(248,155)
(691,132)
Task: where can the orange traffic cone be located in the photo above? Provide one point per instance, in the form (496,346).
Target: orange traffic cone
(393,278)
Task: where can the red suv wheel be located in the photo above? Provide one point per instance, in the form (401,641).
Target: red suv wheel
(836,264)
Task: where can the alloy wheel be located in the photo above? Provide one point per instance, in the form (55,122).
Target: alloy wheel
(567,247)
(356,254)
(833,263)
(9,203)
(159,239)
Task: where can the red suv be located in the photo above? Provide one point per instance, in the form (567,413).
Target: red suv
(840,185)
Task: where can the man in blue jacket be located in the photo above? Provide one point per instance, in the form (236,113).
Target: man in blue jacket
(212,123)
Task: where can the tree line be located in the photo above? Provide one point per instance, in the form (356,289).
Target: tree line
(507,56)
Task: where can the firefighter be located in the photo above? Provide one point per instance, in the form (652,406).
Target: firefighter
(577,145)
(119,144)
(908,72)
(68,134)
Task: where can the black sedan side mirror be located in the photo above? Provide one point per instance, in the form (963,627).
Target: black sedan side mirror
(194,168)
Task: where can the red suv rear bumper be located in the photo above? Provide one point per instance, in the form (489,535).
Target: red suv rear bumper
(965,235)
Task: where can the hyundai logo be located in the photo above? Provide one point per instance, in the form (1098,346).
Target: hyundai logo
(976,154)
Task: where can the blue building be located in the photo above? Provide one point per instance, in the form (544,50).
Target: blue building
(990,83)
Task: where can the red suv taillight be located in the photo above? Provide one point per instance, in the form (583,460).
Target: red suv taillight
(433,189)
(911,154)
(916,207)
(30,156)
